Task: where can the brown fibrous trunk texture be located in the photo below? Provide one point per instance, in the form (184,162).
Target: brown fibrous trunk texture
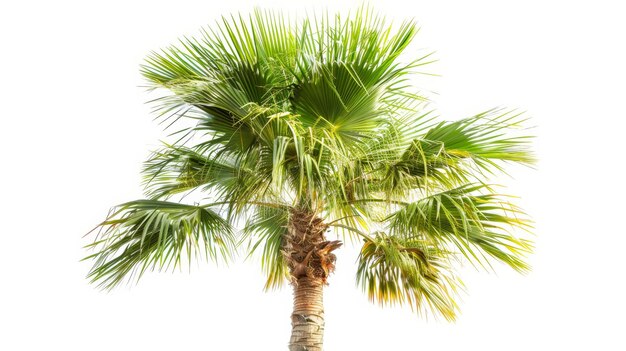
(306,250)
(310,260)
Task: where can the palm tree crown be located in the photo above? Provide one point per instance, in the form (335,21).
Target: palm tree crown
(300,126)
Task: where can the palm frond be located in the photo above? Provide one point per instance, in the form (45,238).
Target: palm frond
(350,80)
(176,169)
(147,234)
(423,165)
(485,139)
(266,230)
(398,270)
(471,218)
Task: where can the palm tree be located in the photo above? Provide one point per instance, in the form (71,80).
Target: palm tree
(303,127)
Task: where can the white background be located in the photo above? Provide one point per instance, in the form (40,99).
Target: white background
(74,131)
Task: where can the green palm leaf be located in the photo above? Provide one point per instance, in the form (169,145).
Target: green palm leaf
(396,270)
(146,234)
(485,139)
(176,169)
(479,225)
(266,230)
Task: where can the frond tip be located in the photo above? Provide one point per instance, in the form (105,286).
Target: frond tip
(394,270)
(148,234)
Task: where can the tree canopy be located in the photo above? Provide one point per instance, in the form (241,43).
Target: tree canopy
(318,114)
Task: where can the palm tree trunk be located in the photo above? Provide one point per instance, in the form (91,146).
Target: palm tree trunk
(307,319)
(310,260)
